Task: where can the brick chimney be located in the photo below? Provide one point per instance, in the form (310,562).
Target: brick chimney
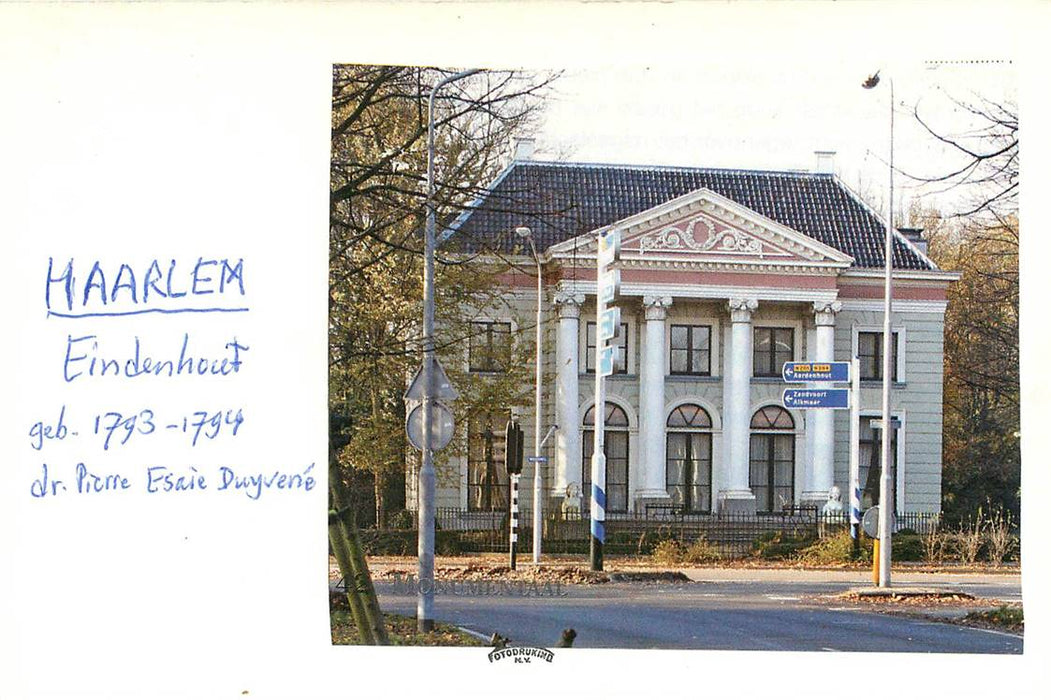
(523,148)
(915,236)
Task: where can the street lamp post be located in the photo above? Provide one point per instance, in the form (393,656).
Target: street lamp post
(886,486)
(426,504)
(538,479)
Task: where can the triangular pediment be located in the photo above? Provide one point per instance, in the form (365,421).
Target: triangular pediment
(705,228)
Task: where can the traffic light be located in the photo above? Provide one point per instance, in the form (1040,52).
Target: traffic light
(515,452)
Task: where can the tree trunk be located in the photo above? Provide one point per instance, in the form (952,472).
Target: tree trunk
(381,505)
(377,476)
(359,570)
(357,608)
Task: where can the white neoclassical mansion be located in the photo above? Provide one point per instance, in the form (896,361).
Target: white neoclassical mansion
(726,275)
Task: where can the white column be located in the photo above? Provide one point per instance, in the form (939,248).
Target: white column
(822,423)
(736,496)
(651,402)
(567,393)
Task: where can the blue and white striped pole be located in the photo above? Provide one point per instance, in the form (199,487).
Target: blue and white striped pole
(514,519)
(608,252)
(855,453)
(598,457)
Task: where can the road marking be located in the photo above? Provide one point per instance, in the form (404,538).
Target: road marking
(781,597)
(1003,634)
(474,633)
(828,649)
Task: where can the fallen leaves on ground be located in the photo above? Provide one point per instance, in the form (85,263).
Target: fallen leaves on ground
(954,608)
(482,572)
(402,631)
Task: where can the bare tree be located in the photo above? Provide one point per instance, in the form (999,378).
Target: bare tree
(980,240)
(377,198)
(989,159)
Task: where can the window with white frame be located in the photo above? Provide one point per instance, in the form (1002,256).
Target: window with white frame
(487,484)
(870,449)
(620,359)
(688,475)
(690,350)
(489,345)
(615,447)
(771,348)
(772,456)
(870,355)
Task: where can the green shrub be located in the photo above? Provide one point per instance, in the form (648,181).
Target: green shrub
(779,545)
(446,544)
(1008,616)
(837,548)
(402,543)
(401,520)
(906,546)
(388,542)
(669,552)
(701,552)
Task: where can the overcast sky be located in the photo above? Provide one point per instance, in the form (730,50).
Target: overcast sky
(734,114)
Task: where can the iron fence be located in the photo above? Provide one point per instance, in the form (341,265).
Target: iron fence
(732,534)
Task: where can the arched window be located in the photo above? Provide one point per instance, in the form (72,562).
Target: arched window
(616,449)
(771,473)
(688,472)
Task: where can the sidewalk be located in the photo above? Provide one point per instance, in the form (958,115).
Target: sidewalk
(899,576)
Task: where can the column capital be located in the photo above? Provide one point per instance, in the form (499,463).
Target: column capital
(741,309)
(825,312)
(568,304)
(656,307)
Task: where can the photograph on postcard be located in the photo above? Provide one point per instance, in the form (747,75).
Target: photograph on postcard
(682,357)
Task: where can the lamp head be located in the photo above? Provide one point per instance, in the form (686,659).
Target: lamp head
(871,82)
(524,232)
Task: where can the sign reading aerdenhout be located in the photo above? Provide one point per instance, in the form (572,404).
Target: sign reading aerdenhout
(521,655)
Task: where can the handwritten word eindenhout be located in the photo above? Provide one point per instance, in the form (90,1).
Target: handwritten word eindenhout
(92,364)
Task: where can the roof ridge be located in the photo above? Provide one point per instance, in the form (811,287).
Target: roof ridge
(669,168)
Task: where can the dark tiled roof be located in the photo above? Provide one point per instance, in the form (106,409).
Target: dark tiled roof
(561,200)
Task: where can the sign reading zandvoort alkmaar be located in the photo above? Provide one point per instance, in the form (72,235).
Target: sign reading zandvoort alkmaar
(816,398)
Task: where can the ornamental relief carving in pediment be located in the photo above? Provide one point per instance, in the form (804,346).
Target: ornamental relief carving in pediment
(703,235)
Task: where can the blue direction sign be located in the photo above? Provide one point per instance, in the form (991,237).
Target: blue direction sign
(608,286)
(609,324)
(606,357)
(816,372)
(609,248)
(816,398)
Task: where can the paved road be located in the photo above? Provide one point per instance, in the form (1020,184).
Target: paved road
(745,611)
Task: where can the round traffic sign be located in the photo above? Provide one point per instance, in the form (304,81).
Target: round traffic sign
(870,522)
(442,426)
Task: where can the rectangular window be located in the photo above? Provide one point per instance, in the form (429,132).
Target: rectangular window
(489,345)
(620,364)
(487,484)
(870,355)
(691,350)
(771,349)
(615,447)
(771,474)
(689,471)
(869,472)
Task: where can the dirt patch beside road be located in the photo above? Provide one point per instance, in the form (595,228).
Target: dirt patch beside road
(955,608)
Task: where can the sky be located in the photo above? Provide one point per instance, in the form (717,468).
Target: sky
(731,114)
